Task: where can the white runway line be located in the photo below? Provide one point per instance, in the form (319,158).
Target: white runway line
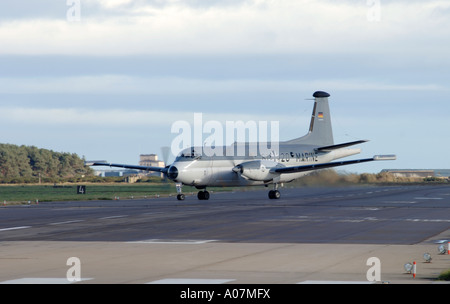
(429,220)
(191,281)
(41,281)
(112,217)
(335,282)
(428,198)
(174,242)
(67,222)
(15,228)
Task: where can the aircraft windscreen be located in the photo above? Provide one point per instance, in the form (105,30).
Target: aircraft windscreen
(188,154)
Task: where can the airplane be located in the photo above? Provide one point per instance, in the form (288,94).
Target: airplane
(295,158)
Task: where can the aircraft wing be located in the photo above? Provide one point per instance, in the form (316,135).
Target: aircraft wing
(332,164)
(145,168)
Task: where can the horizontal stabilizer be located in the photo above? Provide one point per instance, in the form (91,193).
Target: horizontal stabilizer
(145,168)
(332,164)
(339,146)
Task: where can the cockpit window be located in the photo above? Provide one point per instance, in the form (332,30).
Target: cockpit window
(188,154)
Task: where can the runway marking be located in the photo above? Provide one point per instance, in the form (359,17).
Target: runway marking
(15,228)
(41,281)
(354,219)
(400,202)
(67,222)
(191,281)
(428,198)
(112,217)
(335,282)
(151,213)
(350,221)
(428,220)
(175,242)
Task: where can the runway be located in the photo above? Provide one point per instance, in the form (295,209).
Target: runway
(368,215)
(241,227)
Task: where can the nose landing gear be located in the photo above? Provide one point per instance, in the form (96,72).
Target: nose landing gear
(180,196)
(202,195)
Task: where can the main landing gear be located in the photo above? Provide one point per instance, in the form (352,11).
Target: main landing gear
(274,194)
(202,195)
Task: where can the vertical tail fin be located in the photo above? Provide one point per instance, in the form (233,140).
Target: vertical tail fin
(320,131)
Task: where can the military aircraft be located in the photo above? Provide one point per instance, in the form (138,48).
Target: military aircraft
(292,160)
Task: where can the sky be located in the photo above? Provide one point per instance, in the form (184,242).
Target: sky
(106,79)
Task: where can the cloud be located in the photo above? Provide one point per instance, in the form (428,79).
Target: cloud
(62,117)
(84,117)
(126,84)
(124,27)
(130,68)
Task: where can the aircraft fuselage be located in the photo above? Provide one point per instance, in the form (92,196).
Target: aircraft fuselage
(200,170)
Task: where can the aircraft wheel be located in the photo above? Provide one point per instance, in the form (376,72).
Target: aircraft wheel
(180,197)
(274,194)
(206,195)
(203,195)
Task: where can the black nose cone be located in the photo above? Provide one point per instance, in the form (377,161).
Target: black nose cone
(172,173)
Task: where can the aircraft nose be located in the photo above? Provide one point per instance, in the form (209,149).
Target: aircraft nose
(172,173)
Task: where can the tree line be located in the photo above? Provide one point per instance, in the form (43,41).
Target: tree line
(328,177)
(28,164)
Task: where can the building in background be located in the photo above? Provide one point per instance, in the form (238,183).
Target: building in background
(151,160)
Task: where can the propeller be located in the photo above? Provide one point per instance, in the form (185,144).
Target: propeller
(165,157)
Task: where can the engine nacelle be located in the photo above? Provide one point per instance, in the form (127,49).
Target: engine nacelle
(257,170)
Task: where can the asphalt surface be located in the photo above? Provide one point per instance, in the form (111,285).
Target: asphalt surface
(356,215)
(310,235)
